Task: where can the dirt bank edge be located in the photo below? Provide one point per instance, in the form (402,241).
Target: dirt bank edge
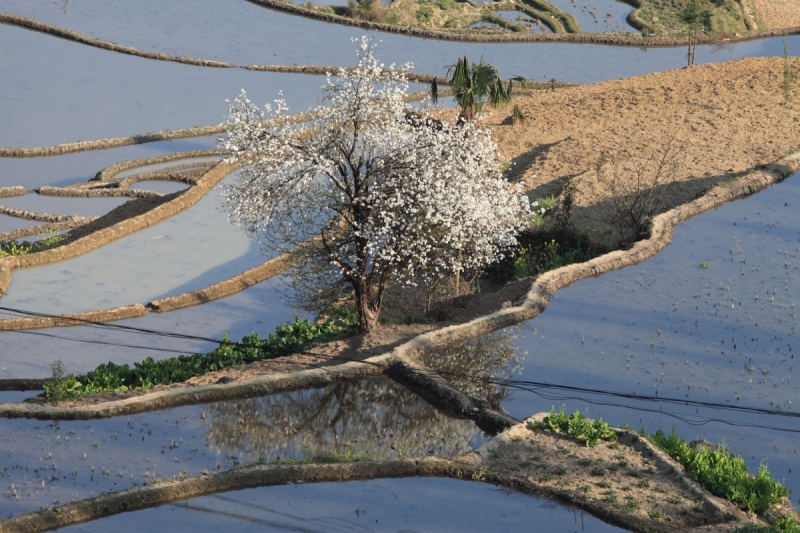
(473,466)
(242,478)
(180,202)
(31,24)
(615,39)
(533,303)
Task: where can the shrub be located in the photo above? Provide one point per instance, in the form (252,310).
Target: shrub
(25,247)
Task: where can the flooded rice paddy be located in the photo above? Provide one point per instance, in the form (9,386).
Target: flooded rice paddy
(163,187)
(8,223)
(387,505)
(598,15)
(259,309)
(243,33)
(54,205)
(710,319)
(189,251)
(519,17)
(46,463)
(80,167)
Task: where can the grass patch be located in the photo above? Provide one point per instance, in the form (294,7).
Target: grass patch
(287,339)
(717,17)
(576,426)
(632,504)
(724,474)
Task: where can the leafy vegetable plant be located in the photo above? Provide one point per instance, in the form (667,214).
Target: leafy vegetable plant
(576,426)
(287,339)
(724,474)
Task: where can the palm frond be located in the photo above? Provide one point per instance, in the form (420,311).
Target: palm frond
(517,116)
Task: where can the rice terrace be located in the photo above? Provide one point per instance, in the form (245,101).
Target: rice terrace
(399,265)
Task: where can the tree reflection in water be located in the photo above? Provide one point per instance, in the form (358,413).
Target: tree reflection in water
(475,366)
(374,417)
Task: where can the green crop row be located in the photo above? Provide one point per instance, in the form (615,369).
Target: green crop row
(576,426)
(287,339)
(724,474)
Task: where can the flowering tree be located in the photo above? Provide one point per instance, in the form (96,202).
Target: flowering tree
(386,195)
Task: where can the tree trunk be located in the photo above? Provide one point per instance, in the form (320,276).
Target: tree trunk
(367,309)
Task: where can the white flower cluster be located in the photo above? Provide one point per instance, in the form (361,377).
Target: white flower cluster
(392,193)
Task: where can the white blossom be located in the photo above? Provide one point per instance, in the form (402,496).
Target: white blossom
(392,195)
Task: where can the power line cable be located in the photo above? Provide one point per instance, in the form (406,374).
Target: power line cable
(521,385)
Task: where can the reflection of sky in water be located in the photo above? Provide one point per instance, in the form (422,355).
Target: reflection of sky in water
(261,36)
(64,91)
(58,171)
(58,205)
(258,309)
(191,250)
(372,416)
(593,15)
(390,505)
(8,223)
(672,328)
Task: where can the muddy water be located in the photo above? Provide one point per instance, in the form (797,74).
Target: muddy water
(391,505)
(48,463)
(598,15)
(243,33)
(712,318)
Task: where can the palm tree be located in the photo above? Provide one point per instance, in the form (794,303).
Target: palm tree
(475,84)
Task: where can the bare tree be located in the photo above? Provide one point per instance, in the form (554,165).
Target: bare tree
(636,189)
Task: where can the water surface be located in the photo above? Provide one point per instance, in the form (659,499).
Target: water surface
(191,250)
(711,318)
(391,505)
(49,463)
(244,33)
(598,15)
(259,309)
(62,205)
(58,171)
